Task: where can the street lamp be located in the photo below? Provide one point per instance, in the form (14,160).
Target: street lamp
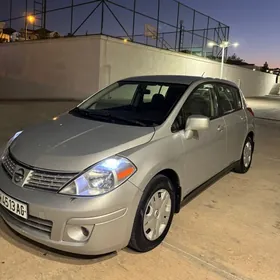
(29,19)
(223,46)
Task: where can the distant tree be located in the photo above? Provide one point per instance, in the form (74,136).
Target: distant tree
(213,57)
(234,58)
(265,67)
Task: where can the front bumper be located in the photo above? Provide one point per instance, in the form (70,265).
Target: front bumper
(109,217)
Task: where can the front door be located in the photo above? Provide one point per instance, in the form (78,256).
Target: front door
(204,155)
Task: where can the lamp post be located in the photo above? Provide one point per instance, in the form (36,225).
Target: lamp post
(29,19)
(223,46)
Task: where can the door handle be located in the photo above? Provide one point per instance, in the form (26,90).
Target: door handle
(220,128)
(242,118)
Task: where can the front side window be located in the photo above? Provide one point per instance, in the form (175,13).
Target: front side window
(202,101)
(229,99)
(133,103)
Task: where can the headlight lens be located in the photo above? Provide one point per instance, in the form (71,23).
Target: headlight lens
(101,177)
(13,138)
(9,143)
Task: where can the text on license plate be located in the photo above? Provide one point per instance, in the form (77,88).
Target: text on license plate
(13,205)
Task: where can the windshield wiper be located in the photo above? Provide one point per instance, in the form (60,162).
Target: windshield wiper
(117,118)
(127,120)
(106,115)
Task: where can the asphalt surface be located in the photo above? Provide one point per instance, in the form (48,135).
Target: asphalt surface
(230,231)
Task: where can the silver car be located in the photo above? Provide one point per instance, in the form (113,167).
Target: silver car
(112,171)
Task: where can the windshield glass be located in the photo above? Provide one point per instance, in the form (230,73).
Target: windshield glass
(133,103)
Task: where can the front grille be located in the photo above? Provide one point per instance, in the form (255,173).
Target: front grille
(47,180)
(9,164)
(39,179)
(32,222)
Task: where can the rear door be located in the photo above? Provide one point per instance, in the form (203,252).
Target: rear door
(231,108)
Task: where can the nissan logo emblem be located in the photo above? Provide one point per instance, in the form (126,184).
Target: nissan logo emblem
(19,175)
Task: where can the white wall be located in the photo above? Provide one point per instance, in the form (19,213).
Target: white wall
(58,68)
(73,68)
(275,90)
(120,60)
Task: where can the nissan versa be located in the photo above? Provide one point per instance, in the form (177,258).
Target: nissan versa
(112,171)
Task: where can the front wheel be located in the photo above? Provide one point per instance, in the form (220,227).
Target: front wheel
(244,163)
(154,215)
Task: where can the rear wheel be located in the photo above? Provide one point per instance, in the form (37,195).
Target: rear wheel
(244,163)
(154,215)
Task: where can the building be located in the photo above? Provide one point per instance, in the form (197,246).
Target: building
(4,38)
(28,33)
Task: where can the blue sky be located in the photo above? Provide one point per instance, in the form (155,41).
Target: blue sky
(255,24)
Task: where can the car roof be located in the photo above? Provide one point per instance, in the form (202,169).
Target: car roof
(174,79)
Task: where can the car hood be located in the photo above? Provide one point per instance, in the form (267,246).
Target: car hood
(72,143)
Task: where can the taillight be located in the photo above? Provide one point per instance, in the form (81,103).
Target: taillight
(251,111)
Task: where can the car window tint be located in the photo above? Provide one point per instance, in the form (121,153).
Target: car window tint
(200,102)
(237,97)
(120,96)
(152,90)
(146,102)
(229,99)
(163,90)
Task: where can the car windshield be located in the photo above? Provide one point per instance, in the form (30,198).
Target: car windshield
(133,103)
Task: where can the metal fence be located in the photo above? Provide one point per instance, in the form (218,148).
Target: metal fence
(166,24)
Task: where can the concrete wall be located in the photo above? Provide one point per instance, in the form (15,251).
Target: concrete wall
(275,89)
(73,68)
(119,60)
(61,68)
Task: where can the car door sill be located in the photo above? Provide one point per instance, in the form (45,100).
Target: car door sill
(194,193)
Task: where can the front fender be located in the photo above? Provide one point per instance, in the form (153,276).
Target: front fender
(154,157)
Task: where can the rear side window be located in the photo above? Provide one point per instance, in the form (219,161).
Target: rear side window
(229,99)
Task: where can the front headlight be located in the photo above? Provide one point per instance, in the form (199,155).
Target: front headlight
(101,177)
(9,143)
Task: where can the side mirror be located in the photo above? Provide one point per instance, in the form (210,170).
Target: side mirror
(196,123)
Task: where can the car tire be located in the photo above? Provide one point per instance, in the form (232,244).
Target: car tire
(244,163)
(154,215)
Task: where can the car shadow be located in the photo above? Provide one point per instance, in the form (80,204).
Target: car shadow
(45,252)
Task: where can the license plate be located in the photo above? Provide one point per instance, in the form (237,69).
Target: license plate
(13,205)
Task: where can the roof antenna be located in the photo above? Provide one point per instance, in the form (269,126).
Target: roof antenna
(203,74)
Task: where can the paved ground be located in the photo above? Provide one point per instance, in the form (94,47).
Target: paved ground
(267,107)
(230,231)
